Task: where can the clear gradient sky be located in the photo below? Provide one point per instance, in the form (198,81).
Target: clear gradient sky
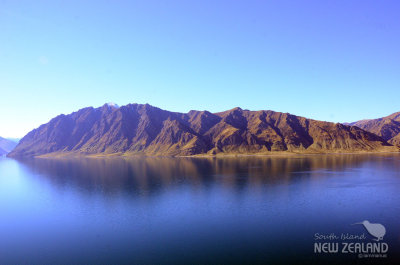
(328,60)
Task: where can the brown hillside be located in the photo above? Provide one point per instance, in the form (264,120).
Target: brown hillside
(144,129)
(387,127)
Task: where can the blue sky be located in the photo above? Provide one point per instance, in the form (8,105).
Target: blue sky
(329,60)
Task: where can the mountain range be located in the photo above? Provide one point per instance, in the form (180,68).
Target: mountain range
(6,146)
(387,127)
(141,129)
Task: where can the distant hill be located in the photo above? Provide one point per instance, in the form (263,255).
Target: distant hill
(387,127)
(143,129)
(6,146)
(3,152)
(16,140)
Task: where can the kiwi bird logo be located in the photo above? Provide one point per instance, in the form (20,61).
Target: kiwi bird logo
(376,230)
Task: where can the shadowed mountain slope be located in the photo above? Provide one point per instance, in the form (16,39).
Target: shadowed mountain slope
(387,127)
(144,129)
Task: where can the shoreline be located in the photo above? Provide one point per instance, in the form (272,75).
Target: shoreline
(220,155)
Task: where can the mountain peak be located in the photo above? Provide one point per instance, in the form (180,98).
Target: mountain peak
(112,105)
(237,109)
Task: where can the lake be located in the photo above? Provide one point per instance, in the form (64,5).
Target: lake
(232,210)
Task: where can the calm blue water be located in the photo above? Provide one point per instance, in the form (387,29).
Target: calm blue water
(245,210)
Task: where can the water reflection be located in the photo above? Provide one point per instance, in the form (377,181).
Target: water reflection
(143,210)
(148,175)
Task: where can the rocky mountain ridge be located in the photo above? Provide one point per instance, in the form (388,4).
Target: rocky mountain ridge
(137,129)
(387,127)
